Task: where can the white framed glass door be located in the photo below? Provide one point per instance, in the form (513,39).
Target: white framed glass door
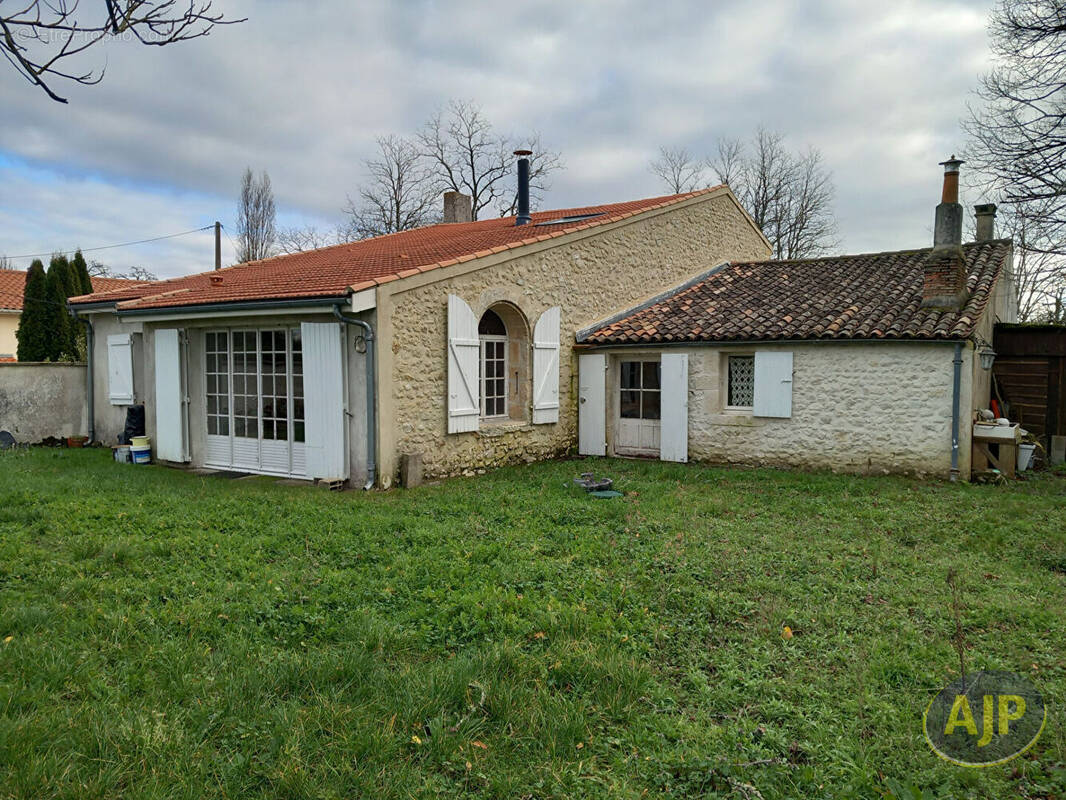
(254,400)
(638,426)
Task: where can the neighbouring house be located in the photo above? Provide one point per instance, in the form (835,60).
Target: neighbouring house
(12,286)
(651,328)
(461,334)
(855,362)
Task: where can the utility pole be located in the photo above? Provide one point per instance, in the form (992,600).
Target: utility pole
(218,244)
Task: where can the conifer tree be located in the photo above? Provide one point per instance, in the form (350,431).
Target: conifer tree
(81,271)
(32,334)
(60,344)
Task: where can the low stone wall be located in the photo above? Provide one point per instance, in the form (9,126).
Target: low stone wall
(41,400)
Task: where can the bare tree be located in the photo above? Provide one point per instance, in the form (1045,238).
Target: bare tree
(676,167)
(466,155)
(309,237)
(1039,273)
(256,217)
(1018,133)
(40,37)
(790,196)
(97,269)
(400,192)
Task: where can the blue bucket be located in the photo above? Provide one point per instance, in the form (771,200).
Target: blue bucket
(141,454)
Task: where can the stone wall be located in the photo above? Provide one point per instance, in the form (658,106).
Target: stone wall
(590,277)
(41,400)
(863,407)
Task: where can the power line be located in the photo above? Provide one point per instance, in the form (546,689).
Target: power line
(112,246)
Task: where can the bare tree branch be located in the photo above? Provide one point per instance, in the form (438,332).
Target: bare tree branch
(466,155)
(400,193)
(676,167)
(309,237)
(41,36)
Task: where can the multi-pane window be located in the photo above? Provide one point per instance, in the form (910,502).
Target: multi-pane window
(275,384)
(741,381)
(297,386)
(493,365)
(245,385)
(217,379)
(254,384)
(640,390)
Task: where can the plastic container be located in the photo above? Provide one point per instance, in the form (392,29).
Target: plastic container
(141,454)
(1025,456)
(122,454)
(140,441)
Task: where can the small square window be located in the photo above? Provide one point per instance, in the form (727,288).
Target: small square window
(741,381)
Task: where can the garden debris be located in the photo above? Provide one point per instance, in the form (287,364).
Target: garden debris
(590,483)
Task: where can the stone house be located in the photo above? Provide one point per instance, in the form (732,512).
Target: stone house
(652,328)
(452,341)
(856,363)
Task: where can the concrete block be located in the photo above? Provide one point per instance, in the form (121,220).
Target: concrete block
(411,470)
(1058,449)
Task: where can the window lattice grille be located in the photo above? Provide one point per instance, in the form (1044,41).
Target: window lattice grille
(741,381)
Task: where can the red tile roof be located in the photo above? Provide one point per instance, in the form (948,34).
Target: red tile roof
(13,284)
(873,296)
(337,270)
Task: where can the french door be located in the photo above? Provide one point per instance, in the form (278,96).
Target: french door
(638,427)
(254,400)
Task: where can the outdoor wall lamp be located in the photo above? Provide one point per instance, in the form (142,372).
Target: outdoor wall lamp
(985,353)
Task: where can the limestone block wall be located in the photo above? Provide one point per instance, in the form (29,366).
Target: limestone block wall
(589,275)
(863,407)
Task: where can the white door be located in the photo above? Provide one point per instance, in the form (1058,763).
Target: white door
(592,404)
(170,399)
(639,407)
(673,440)
(323,356)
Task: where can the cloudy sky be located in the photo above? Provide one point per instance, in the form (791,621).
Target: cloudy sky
(302,90)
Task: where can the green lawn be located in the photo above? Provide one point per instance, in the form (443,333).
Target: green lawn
(168,635)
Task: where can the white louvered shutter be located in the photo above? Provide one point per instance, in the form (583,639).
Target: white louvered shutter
(773,385)
(546,367)
(464,349)
(592,404)
(170,397)
(673,434)
(325,443)
(120,369)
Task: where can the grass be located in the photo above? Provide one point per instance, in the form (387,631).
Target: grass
(168,635)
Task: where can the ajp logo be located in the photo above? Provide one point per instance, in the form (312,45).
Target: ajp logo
(985,718)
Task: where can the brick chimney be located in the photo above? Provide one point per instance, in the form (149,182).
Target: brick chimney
(944,274)
(986,221)
(457,207)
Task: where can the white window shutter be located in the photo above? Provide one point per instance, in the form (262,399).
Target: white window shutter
(169,397)
(546,367)
(592,404)
(464,349)
(673,432)
(325,442)
(773,384)
(120,369)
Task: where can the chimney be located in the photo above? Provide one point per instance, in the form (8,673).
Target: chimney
(944,274)
(986,221)
(523,217)
(457,207)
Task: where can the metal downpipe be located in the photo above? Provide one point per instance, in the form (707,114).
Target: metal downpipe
(90,396)
(371,395)
(956,386)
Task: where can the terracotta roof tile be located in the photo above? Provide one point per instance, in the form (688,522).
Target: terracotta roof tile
(13,284)
(337,270)
(872,296)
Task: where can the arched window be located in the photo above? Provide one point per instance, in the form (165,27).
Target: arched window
(492,333)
